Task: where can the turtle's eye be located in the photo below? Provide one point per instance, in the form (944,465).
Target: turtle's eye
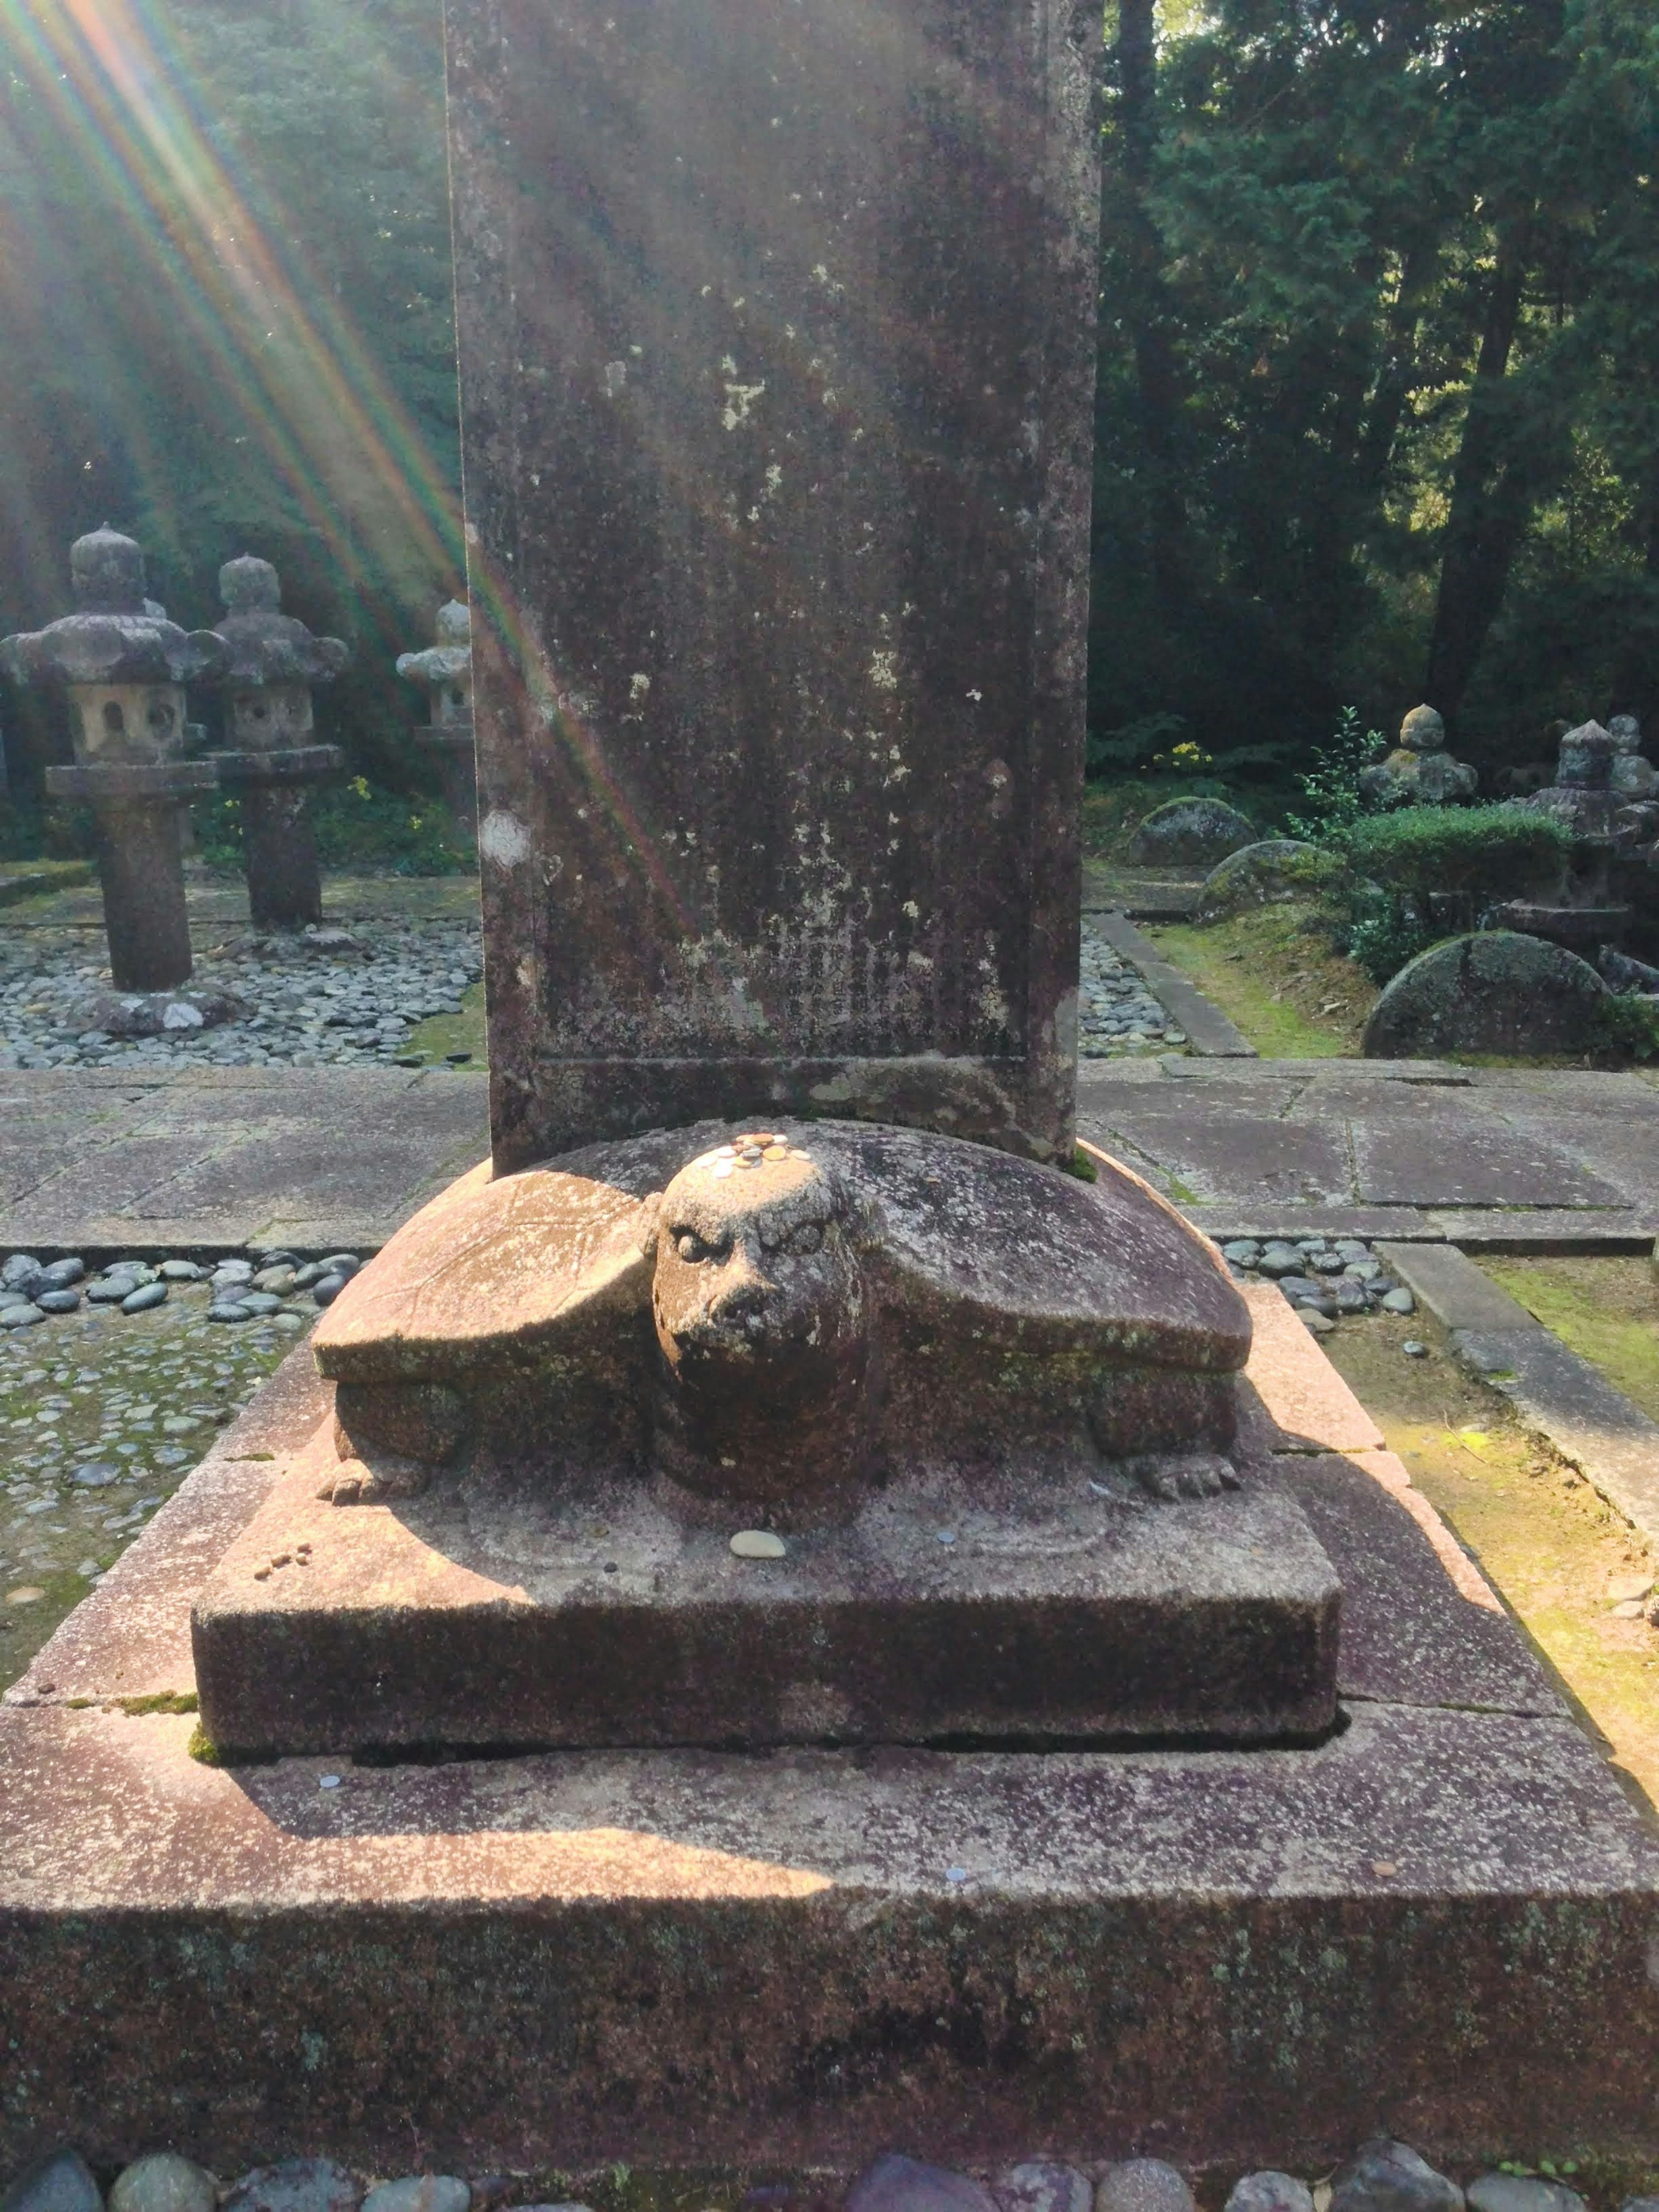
(689,1245)
(806,1236)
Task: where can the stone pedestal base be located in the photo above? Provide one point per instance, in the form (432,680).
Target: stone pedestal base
(284,885)
(1442,1923)
(138,810)
(457,766)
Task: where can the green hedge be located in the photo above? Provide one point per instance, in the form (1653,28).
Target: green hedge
(1488,853)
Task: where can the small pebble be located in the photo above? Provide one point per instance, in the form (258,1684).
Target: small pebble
(758,1544)
(1414,1350)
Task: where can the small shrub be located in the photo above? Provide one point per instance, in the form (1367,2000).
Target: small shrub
(1331,787)
(1629,1027)
(1385,933)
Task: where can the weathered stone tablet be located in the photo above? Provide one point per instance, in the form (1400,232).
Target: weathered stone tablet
(777,332)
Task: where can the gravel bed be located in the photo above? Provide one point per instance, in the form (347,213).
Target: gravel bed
(1326,1278)
(317,998)
(1116,1012)
(106,1404)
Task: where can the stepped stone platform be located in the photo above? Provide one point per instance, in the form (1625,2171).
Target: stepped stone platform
(1442,1921)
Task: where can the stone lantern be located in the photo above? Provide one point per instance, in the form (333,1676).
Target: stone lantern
(125,667)
(446,669)
(271,761)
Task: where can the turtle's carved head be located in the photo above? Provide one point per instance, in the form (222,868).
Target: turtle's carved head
(759,1304)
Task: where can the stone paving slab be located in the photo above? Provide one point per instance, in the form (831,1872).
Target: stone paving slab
(222,1158)
(1532,1159)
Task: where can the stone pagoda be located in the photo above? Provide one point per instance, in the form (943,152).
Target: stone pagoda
(271,761)
(124,667)
(445,670)
(1419,771)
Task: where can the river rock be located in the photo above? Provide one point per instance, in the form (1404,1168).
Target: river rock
(1497,992)
(1042,2185)
(1265,874)
(1190,833)
(1383,2176)
(1268,2191)
(60,2183)
(1142,2184)
(164,2181)
(1522,2192)
(295,2185)
(420,2192)
(894,2184)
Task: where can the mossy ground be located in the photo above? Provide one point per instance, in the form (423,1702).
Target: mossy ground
(444,1033)
(1276,974)
(1606,1309)
(1547,1542)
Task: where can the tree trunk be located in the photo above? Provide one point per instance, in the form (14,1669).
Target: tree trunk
(1491,499)
(1146,307)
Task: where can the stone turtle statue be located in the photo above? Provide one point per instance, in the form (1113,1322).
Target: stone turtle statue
(788,1317)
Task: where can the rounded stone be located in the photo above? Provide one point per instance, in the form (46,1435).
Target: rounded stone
(229,1309)
(144,1299)
(96,1474)
(295,2185)
(1280,1259)
(61,2183)
(1398,1301)
(1496,991)
(58,1302)
(180,1271)
(279,1281)
(1522,2192)
(895,2183)
(20,1317)
(420,2192)
(164,2181)
(1041,2184)
(260,1302)
(1383,2176)
(1320,1324)
(344,1264)
(1190,833)
(758,1544)
(1142,2184)
(1244,1252)
(325,1293)
(110,1290)
(62,1273)
(1268,2191)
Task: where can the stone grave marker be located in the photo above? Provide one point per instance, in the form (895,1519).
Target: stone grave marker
(776,340)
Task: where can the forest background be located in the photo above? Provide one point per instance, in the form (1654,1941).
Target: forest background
(1378,414)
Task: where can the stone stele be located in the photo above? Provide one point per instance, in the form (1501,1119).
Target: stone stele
(778,406)
(989,1409)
